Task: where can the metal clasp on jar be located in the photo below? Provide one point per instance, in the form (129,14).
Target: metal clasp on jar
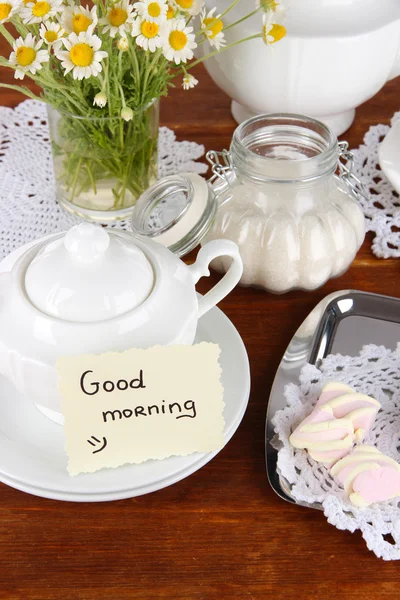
(223,173)
(346,164)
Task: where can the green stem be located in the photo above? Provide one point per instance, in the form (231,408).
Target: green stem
(229,9)
(75,181)
(149,69)
(242,19)
(200,60)
(92,179)
(133,56)
(6,35)
(23,90)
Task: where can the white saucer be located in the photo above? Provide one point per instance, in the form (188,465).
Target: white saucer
(389,156)
(32,456)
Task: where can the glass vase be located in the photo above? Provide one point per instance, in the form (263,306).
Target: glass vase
(102,165)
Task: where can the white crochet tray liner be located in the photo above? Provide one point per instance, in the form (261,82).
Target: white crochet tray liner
(28,207)
(375,372)
(382,209)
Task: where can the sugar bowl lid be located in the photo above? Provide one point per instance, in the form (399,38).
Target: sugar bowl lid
(89,275)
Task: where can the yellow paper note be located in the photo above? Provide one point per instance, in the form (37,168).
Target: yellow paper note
(137,405)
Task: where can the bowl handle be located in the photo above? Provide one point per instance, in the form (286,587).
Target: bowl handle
(199,269)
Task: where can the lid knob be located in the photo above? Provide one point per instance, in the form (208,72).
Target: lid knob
(86,242)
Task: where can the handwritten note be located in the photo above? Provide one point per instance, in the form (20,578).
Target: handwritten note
(137,405)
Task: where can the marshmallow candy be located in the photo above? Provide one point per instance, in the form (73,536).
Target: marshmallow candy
(326,438)
(340,418)
(345,402)
(368,476)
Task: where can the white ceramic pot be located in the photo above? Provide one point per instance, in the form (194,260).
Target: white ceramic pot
(88,292)
(337,54)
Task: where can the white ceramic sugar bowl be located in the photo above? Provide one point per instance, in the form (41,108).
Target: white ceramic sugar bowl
(94,291)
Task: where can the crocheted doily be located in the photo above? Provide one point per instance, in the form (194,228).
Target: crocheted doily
(382,209)
(375,372)
(28,207)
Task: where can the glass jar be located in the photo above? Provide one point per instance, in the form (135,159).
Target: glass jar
(102,165)
(284,196)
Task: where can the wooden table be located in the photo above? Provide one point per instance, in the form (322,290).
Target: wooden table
(222,533)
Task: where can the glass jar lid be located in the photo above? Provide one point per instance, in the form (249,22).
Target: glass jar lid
(177,212)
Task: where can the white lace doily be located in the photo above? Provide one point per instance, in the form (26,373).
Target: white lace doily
(375,372)
(382,209)
(28,209)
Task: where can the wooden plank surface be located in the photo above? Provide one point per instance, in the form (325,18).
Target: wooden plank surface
(222,533)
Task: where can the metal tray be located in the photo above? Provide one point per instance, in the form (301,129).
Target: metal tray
(343,322)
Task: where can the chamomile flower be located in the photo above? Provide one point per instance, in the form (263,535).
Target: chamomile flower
(78,19)
(272,32)
(275,5)
(178,44)
(149,35)
(42,10)
(154,11)
(8,8)
(82,55)
(189,82)
(192,7)
(127,113)
(212,27)
(52,34)
(27,56)
(170,11)
(118,19)
(123,44)
(100,100)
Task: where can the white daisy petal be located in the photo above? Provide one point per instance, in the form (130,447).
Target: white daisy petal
(40,11)
(212,27)
(8,8)
(190,7)
(77,19)
(149,35)
(81,56)
(154,11)
(189,82)
(51,34)
(179,42)
(272,32)
(27,56)
(119,19)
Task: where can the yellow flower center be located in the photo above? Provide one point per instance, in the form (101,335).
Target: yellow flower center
(81,55)
(154,9)
(50,36)
(215,28)
(277,32)
(5,10)
(117,16)
(80,23)
(149,30)
(185,4)
(27,1)
(25,55)
(177,40)
(41,9)
(170,12)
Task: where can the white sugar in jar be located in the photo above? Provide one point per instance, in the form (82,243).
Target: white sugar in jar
(277,194)
(296,223)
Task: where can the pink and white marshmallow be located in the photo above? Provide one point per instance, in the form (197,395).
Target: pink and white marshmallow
(368,476)
(340,418)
